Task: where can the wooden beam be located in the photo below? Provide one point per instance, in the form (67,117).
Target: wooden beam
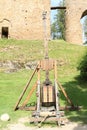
(57,7)
(29,95)
(65,94)
(25,88)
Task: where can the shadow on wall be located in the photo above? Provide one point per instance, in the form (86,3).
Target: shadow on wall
(78,94)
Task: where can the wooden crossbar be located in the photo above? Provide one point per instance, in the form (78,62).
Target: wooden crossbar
(57,7)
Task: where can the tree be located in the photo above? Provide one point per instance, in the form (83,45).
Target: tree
(58,26)
(53,31)
(83,68)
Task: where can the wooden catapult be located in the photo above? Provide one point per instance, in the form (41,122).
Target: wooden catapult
(47,106)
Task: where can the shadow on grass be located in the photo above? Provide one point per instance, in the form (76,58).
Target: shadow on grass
(77,91)
(80,128)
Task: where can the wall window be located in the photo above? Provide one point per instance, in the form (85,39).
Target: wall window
(4,32)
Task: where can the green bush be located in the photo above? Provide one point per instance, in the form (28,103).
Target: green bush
(83,68)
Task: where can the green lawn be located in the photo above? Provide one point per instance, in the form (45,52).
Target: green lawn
(68,57)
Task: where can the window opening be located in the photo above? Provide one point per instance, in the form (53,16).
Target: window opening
(4,33)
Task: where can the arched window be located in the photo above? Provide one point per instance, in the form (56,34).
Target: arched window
(84,26)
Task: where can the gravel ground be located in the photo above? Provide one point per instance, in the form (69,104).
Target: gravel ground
(69,126)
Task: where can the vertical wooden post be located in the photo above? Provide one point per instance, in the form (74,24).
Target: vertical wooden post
(56,87)
(55,70)
(38,90)
(56,94)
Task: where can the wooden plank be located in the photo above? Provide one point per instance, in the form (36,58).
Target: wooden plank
(55,70)
(56,87)
(44,94)
(31,108)
(51,119)
(47,64)
(38,97)
(50,91)
(57,7)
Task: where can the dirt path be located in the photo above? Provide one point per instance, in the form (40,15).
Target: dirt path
(20,126)
(72,126)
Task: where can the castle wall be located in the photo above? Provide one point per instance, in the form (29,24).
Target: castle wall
(24,18)
(74,11)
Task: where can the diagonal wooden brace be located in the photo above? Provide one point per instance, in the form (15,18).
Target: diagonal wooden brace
(25,88)
(29,95)
(65,94)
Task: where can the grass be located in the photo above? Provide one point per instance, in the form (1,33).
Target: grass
(21,50)
(11,85)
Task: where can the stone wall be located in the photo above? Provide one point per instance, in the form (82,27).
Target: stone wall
(24,18)
(74,12)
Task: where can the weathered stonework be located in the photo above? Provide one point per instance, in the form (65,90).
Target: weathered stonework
(23,18)
(75,10)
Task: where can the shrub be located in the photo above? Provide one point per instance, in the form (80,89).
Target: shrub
(83,68)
